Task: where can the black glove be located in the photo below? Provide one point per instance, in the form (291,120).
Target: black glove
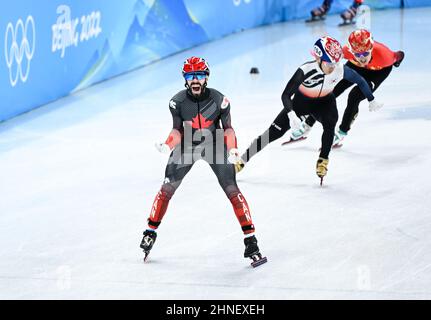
(400,58)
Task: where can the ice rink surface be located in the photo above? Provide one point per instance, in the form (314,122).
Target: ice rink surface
(78,177)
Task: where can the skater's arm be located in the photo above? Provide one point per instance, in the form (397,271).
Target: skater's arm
(229,133)
(174,137)
(291,88)
(352,76)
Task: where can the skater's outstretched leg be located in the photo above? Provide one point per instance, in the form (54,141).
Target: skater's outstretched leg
(175,172)
(277,129)
(242,212)
(225,174)
(226,177)
(160,205)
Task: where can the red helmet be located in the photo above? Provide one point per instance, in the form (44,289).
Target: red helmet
(195,64)
(361,41)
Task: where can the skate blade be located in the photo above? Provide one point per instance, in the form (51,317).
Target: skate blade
(343,24)
(315,20)
(293,141)
(337,146)
(258,260)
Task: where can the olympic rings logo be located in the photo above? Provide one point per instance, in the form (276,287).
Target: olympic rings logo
(17,47)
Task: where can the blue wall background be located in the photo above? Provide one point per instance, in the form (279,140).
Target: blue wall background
(416,3)
(51,50)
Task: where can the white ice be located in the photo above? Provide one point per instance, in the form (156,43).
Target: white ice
(78,178)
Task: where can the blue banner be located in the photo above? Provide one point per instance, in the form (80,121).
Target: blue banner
(416,3)
(53,48)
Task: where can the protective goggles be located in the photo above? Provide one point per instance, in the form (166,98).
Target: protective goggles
(192,75)
(362,54)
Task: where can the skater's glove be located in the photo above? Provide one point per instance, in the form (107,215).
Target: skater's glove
(400,58)
(375,105)
(236,160)
(234,156)
(162,147)
(295,122)
(239,165)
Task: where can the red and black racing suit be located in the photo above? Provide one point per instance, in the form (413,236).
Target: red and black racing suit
(197,134)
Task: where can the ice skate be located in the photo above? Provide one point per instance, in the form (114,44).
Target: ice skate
(299,134)
(319,13)
(338,138)
(322,168)
(148,242)
(252,252)
(349,15)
